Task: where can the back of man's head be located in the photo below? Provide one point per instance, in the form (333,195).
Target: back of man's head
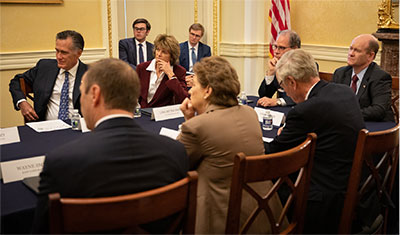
(298,64)
(294,38)
(118,82)
(76,37)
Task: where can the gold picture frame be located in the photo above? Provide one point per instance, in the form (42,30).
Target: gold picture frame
(33,1)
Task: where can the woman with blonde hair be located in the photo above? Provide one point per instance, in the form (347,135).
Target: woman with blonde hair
(162,80)
(216,128)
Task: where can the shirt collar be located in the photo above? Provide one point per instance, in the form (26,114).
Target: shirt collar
(152,66)
(72,71)
(111,116)
(190,47)
(143,43)
(361,74)
(309,91)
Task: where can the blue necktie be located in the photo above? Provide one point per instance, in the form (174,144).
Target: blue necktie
(194,58)
(63,111)
(141,57)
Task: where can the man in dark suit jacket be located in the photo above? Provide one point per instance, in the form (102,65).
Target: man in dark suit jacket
(118,157)
(373,86)
(286,41)
(129,48)
(47,79)
(200,50)
(332,112)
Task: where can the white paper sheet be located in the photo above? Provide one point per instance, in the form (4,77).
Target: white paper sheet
(167,112)
(169,133)
(83,126)
(51,125)
(277,116)
(20,169)
(268,140)
(9,135)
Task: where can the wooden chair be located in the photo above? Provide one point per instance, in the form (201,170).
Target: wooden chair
(380,177)
(26,88)
(395,97)
(325,76)
(84,215)
(277,166)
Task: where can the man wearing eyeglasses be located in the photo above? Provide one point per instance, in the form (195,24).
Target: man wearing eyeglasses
(193,50)
(137,50)
(287,40)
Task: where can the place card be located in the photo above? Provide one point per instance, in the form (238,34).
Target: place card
(267,139)
(51,125)
(83,126)
(9,135)
(277,116)
(173,134)
(166,112)
(20,169)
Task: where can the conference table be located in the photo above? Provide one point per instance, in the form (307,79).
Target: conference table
(18,201)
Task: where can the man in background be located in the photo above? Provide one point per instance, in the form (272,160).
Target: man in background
(370,83)
(137,50)
(286,41)
(118,157)
(55,82)
(332,112)
(193,50)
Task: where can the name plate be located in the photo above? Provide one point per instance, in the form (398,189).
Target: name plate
(277,116)
(20,169)
(166,112)
(173,134)
(9,135)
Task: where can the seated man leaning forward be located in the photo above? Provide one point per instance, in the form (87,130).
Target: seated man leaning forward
(332,112)
(55,83)
(212,138)
(372,85)
(118,157)
(162,79)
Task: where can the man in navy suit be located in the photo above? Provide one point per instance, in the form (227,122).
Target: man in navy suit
(193,50)
(332,112)
(372,85)
(48,77)
(118,157)
(137,50)
(286,41)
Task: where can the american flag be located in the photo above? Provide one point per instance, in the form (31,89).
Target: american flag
(279,16)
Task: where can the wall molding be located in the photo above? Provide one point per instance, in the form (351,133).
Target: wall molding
(261,50)
(28,59)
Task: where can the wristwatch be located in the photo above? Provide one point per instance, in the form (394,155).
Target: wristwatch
(278,102)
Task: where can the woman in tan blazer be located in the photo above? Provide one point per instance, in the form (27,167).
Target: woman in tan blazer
(216,128)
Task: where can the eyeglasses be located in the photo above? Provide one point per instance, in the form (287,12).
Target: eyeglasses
(195,35)
(276,47)
(139,29)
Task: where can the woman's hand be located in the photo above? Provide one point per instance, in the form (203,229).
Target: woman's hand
(164,66)
(187,109)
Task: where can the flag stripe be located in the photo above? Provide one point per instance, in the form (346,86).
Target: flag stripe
(279,17)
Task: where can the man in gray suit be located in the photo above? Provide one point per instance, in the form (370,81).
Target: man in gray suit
(370,83)
(118,157)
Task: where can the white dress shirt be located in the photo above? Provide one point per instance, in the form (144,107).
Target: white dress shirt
(360,76)
(54,103)
(196,49)
(155,81)
(144,48)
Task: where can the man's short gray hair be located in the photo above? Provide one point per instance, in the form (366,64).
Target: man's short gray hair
(298,64)
(294,38)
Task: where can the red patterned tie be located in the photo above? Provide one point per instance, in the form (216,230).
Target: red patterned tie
(354,83)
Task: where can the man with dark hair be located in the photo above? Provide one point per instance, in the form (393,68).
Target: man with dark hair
(332,112)
(286,41)
(370,83)
(118,157)
(55,82)
(137,50)
(193,50)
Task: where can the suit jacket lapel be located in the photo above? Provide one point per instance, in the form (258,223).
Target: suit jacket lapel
(76,92)
(51,80)
(347,77)
(364,82)
(149,49)
(134,52)
(200,52)
(185,55)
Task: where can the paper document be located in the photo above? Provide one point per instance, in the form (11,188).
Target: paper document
(268,140)
(83,126)
(51,125)
(9,135)
(20,169)
(169,133)
(167,112)
(277,116)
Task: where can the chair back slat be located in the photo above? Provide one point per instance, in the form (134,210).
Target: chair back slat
(375,159)
(277,167)
(72,215)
